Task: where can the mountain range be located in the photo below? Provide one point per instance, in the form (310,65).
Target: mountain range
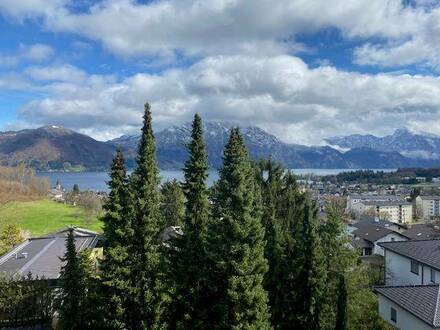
(403,141)
(57,148)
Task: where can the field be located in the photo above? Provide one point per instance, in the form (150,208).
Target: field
(44,216)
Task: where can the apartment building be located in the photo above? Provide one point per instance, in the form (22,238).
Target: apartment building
(393,208)
(428,207)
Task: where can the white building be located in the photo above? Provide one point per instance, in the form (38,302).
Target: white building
(367,235)
(412,262)
(391,207)
(411,298)
(410,307)
(428,207)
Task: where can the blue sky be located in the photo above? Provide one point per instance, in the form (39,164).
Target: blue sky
(301,70)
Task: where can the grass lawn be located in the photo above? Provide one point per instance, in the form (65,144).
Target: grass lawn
(45,216)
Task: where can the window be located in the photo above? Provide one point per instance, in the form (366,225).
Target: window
(414,267)
(393,315)
(432,275)
(367,251)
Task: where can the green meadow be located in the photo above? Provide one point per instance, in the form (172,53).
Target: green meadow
(44,216)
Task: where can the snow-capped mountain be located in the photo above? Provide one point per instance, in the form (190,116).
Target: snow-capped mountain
(57,148)
(172,154)
(408,144)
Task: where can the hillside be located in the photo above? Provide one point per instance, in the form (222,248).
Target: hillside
(53,148)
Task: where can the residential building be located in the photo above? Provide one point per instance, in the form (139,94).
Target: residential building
(391,207)
(410,307)
(422,231)
(412,262)
(368,236)
(428,207)
(366,220)
(41,256)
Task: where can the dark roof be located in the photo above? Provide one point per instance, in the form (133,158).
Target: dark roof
(369,220)
(430,197)
(421,300)
(41,256)
(424,251)
(361,243)
(422,231)
(377,197)
(387,203)
(373,232)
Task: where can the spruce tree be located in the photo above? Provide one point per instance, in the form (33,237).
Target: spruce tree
(270,178)
(286,262)
(311,279)
(117,233)
(341,316)
(172,204)
(236,245)
(338,259)
(73,288)
(145,267)
(188,259)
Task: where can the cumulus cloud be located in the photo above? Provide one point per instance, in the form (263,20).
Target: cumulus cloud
(278,93)
(244,69)
(29,53)
(195,27)
(66,72)
(36,52)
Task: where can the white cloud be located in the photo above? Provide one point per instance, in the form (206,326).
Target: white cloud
(66,72)
(213,27)
(279,93)
(29,53)
(36,52)
(22,9)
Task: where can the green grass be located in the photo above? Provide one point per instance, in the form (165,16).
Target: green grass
(45,216)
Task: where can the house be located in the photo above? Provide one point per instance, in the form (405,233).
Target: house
(394,208)
(422,231)
(412,262)
(369,220)
(41,256)
(368,236)
(428,207)
(410,307)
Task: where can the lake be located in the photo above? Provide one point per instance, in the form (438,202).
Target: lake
(97,181)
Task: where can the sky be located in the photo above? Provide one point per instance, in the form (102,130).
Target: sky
(302,70)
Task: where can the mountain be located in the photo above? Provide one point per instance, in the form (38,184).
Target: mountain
(57,148)
(172,154)
(408,144)
(54,148)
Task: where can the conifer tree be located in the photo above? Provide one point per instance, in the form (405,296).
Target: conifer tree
(338,259)
(188,259)
(286,263)
(117,232)
(73,288)
(145,267)
(236,245)
(341,316)
(312,273)
(172,204)
(270,178)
